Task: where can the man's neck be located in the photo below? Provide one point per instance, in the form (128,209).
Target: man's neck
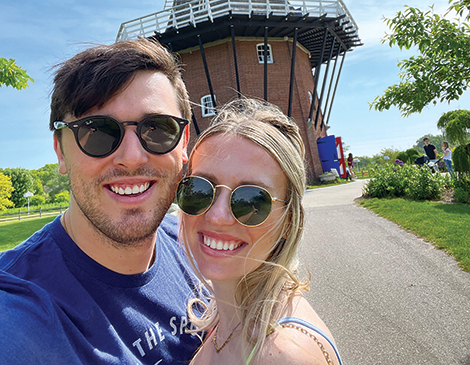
(130,260)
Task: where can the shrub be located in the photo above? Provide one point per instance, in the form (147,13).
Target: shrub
(403,156)
(37,200)
(413,154)
(423,185)
(461,159)
(387,181)
(406,181)
(461,195)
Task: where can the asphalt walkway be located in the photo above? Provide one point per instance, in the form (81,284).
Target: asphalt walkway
(387,296)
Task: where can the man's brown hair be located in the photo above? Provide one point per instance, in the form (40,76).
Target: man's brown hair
(92,77)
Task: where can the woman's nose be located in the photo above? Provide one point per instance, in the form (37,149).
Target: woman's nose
(220,212)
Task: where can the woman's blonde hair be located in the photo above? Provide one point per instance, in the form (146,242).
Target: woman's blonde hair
(259,293)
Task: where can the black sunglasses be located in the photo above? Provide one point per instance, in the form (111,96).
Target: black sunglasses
(250,204)
(100,136)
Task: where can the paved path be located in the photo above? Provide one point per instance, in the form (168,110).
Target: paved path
(387,296)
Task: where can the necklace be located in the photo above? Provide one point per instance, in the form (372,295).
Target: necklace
(214,339)
(62,220)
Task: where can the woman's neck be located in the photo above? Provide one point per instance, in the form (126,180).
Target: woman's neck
(224,293)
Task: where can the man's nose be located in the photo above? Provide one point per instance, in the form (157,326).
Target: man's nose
(130,154)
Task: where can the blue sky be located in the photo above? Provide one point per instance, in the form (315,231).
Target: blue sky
(40,34)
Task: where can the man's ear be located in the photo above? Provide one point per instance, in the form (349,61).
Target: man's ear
(60,156)
(185,144)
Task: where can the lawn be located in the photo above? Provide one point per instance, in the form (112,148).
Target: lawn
(13,233)
(445,225)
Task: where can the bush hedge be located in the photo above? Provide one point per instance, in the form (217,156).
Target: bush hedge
(417,183)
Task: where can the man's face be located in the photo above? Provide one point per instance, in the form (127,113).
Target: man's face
(426,142)
(126,194)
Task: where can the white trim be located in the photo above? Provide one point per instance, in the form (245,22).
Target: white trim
(207,107)
(260,53)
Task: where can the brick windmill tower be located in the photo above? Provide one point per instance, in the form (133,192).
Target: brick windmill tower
(289,53)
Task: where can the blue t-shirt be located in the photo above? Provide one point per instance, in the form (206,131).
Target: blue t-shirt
(58,306)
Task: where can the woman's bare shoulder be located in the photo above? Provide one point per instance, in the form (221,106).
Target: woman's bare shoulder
(296,344)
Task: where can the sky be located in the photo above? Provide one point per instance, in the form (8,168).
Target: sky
(41,34)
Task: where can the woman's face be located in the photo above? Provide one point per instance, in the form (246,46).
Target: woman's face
(233,161)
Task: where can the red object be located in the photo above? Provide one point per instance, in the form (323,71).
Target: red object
(342,164)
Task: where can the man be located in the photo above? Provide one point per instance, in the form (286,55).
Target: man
(430,150)
(105,283)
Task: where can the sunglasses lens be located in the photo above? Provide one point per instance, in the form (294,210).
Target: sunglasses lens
(194,195)
(160,134)
(99,136)
(251,205)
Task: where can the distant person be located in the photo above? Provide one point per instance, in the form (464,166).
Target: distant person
(242,224)
(447,157)
(105,282)
(351,166)
(429,149)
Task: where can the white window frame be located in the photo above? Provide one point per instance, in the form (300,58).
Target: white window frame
(207,108)
(260,53)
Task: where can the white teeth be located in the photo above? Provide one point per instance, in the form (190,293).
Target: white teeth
(220,245)
(136,189)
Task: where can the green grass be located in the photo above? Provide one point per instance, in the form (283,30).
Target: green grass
(13,233)
(447,226)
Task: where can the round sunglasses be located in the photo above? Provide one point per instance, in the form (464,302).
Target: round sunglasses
(250,204)
(99,136)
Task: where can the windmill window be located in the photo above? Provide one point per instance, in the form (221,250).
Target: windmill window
(260,51)
(207,106)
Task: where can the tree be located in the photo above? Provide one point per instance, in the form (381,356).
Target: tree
(456,125)
(22,182)
(441,71)
(52,180)
(12,75)
(391,152)
(6,188)
(62,197)
(409,156)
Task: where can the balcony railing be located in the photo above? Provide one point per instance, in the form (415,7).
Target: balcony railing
(197,11)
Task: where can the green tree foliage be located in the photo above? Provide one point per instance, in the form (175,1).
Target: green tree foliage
(37,200)
(402,156)
(391,152)
(412,154)
(62,197)
(12,75)
(6,188)
(22,182)
(456,125)
(52,180)
(441,71)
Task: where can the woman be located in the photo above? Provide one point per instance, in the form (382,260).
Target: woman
(242,224)
(351,166)
(447,157)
